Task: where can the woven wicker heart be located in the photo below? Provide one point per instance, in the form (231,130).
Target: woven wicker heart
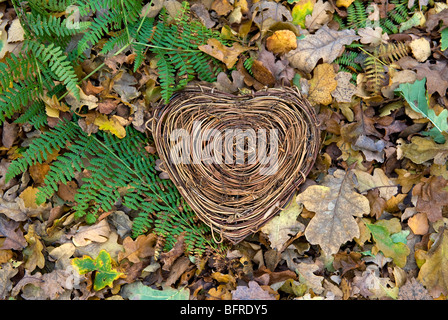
(237,160)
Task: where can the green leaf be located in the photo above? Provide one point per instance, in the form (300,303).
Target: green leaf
(105,274)
(415,95)
(138,291)
(389,244)
(444,39)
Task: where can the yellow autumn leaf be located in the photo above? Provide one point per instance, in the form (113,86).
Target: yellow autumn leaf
(228,55)
(29,197)
(322,85)
(344,3)
(301,10)
(281,42)
(112,124)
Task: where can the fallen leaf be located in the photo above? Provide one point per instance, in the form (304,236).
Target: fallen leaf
(14,236)
(29,197)
(7,271)
(281,42)
(421,49)
(225,84)
(85,100)
(335,202)
(168,258)
(379,180)
(222,7)
(252,292)
(413,290)
(422,149)
(321,15)
(15,31)
(103,265)
(228,55)
(142,247)
(344,3)
(322,85)
(325,44)
(262,74)
(307,276)
(9,134)
(345,89)
(114,124)
(138,291)
(382,232)
(265,13)
(433,273)
(436,75)
(375,37)
(285,225)
(300,10)
(33,252)
(370,285)
(430,195)
(434,19)
(98,232)
(419,223)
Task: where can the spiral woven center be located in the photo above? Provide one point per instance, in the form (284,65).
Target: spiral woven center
(236,159)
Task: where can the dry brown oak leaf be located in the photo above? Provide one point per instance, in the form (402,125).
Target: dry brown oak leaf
(335,202)
(325,44)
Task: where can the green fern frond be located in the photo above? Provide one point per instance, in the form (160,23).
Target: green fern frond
(20,94)
(99,27)
(57,61)
(41,147)
(47,28)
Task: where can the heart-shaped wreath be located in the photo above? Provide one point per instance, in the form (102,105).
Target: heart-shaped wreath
(236,159)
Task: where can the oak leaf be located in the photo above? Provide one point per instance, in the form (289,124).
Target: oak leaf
(98,232)
(140,248)
(228,55)
(252,292)
(344,90)
(14,236)
(434,271)
(322,85)
(307,276)
(378,180)
(430,195)
(375,37)
(325,44)
(321,15)
(392,247)
(33,252)
(114,124)
(422,149)
(284,225)
(335,202)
